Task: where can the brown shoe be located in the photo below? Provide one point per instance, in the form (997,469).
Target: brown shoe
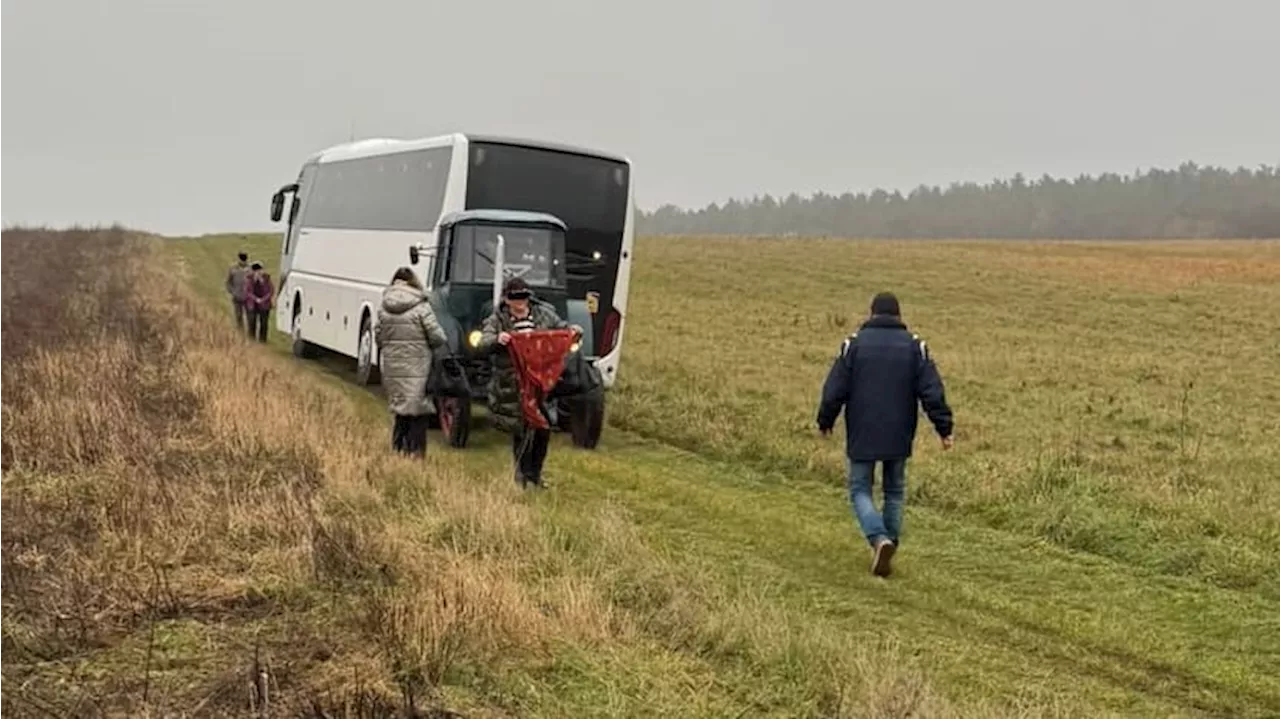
(880,561)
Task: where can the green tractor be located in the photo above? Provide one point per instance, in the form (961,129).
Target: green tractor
(476,252)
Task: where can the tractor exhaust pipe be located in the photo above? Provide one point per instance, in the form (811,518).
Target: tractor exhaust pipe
(498,271)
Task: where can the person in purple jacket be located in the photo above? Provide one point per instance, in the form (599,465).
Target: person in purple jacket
(258,301)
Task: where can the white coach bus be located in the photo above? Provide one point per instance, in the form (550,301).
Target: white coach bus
(358,208)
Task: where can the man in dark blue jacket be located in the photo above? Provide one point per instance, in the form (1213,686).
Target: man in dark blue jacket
(882,370)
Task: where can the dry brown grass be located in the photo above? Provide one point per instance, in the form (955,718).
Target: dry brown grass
(157,471)
(193,527)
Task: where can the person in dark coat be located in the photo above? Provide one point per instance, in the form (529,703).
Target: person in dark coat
(878,376)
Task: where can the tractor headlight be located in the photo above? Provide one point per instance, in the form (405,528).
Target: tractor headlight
(473,339)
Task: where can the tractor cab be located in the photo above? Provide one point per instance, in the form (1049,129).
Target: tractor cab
(476,252)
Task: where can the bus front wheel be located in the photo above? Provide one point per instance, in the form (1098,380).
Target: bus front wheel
(366,369)
(301,348)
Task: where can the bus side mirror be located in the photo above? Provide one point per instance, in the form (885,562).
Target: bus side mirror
(277,206)
(414,255)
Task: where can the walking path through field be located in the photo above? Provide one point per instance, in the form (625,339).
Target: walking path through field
(993,613)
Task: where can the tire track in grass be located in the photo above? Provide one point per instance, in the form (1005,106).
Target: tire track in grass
(830,564)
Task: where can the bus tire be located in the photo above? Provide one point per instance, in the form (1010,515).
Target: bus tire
(300,348)
(366,368)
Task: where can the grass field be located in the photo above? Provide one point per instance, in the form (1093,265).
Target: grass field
(1103,540)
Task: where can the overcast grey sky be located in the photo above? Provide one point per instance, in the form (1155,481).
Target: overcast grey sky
(182,116)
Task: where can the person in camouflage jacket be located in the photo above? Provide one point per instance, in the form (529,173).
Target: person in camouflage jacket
(519,311)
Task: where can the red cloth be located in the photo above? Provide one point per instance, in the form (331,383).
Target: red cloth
(538,358)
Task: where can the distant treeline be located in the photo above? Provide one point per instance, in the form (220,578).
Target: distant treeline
(1191,201)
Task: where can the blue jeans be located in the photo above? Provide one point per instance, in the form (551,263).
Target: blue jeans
(894,479)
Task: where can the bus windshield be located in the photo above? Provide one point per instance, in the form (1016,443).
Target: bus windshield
(535,254)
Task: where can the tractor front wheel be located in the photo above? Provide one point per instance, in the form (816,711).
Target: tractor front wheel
(454,416)
(586,419)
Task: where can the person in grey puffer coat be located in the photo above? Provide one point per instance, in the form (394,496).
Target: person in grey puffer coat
(407,334)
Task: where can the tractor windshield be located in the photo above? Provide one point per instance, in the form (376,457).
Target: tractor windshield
(533,253)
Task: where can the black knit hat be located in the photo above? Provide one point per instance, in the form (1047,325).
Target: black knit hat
(885,303)
(516,286)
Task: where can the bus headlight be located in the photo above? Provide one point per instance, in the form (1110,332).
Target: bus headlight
(574,347)
(473,339)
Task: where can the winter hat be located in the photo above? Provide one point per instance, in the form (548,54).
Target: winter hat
(885,303)
(516,287)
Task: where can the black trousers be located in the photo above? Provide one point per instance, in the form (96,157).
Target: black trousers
(258,323)
(529,447)
(409,434)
